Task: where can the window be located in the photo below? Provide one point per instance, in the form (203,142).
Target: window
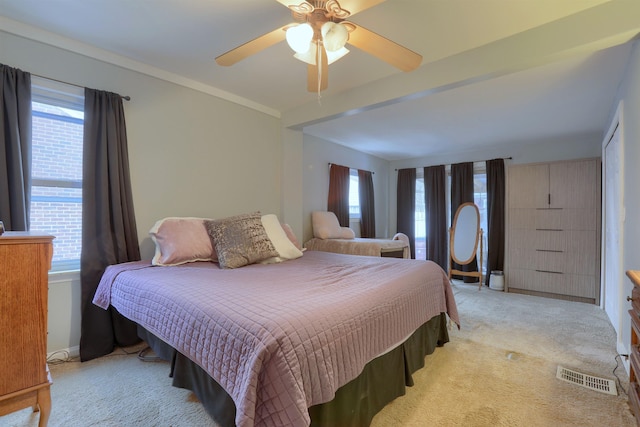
(354,194)
(56,169)
(480,199)
(420,217)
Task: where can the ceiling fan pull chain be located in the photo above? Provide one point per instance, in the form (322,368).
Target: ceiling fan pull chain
(319,62)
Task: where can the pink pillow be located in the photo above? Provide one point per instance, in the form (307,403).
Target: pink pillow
(180,240)
(291,235)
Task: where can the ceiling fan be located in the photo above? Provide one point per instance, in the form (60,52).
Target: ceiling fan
(319,37)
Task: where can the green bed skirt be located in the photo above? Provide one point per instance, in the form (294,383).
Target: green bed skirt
(355,404)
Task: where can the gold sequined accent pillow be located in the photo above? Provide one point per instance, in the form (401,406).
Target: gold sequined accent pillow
(240,240)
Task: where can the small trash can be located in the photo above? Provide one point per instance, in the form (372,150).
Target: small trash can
(497,280)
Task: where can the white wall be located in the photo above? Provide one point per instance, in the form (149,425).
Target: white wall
(569,148)
(195,154)
(629,95)
(190,153)
(292,183)
(317,154)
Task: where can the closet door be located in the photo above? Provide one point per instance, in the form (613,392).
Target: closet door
(529,186)
(573,184)
(528,191)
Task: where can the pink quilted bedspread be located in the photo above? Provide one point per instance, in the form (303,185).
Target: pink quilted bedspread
(280,338)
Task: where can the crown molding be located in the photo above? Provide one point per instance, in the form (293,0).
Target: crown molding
(42,36)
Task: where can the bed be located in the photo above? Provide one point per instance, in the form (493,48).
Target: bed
(330,236)
(394,248)
(288,343)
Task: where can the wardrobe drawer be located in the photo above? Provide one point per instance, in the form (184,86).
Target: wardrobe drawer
(557,240)
(565,219)
(560,219)
(555,283)
(553,261)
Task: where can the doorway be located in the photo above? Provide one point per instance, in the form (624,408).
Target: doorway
(613,222)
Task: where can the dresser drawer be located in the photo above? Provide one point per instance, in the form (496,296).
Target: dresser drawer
(634,400)
(635,299)
(634,360)
(635,326)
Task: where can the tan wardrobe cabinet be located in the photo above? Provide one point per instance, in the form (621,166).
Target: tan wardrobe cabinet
(553,232)
(25,259)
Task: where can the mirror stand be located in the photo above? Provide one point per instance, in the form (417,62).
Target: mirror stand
(464,237)
(477,274)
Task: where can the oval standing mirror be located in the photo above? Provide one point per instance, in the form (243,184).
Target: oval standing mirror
(464,233)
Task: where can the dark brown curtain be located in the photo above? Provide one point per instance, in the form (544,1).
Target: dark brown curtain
(406,206)
(109,234)
(462,192)
(436,212)
(367,205)
(338,202)
(495,216)
(15,148)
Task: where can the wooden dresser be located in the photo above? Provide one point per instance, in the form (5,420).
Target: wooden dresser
(634,357)
(25,259)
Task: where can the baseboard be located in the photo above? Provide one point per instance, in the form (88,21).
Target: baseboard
(551,295)
(65,353)
(622,350)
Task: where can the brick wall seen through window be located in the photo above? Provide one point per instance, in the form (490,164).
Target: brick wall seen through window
(56,192)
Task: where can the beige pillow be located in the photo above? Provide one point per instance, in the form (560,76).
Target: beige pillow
(180,240)
(240,240)
(325,225)
(347,233)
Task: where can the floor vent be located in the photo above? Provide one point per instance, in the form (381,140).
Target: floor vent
(593,383)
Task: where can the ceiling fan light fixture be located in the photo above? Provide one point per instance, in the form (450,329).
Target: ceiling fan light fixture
(310,56)
(333,56)
(334,36)
(299,38)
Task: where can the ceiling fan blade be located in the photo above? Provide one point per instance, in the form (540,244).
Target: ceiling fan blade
(287,3)
(251,47)
(384,49)
(353,6)
(323,76)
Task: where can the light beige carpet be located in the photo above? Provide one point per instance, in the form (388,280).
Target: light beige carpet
(498,370)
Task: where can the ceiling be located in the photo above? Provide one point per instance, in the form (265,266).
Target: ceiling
(388,113)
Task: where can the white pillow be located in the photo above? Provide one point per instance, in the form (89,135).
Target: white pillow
(285,248)
(325,225)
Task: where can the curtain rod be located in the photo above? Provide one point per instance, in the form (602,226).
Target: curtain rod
(475,161)
(126,97)
(372,172)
